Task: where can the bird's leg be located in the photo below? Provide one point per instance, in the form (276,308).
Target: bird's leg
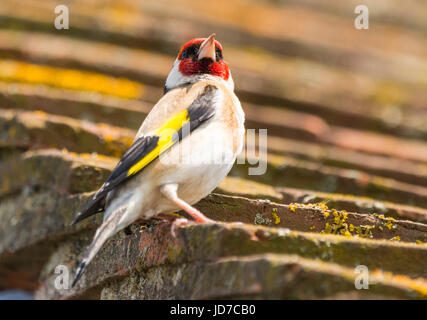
(170,192)
(193,212)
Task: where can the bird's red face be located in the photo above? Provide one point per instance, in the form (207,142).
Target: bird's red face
(203,56)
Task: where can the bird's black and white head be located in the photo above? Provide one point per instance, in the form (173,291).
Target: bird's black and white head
(199,58)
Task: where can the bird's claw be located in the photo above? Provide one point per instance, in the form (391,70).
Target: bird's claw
(178,223)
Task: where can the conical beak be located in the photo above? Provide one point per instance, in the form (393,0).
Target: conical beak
(207,48)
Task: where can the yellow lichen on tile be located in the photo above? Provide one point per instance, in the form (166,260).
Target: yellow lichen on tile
(418,284)
(319,206)
(275,216)
(327,229)
(339,225)
(384,217)
(389,225)
(364,231)
(15,71)
(293,207)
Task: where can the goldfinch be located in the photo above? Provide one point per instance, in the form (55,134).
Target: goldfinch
(184,148)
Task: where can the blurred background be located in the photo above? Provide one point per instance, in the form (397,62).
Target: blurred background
(345,109)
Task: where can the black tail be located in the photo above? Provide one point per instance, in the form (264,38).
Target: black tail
(94,206)
(80,270)
(108,228)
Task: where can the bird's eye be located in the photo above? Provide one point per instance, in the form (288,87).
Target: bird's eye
(218,54)
(190,52)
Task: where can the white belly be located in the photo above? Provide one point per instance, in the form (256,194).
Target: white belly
(198,164)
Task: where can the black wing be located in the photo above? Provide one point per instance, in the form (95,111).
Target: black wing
(140,148)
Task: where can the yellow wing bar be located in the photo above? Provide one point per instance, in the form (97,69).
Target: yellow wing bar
(165,134)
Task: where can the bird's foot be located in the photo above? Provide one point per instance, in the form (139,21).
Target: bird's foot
(179,223)
(185,222)
(176,220)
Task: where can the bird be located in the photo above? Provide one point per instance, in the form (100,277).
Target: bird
(184,148)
